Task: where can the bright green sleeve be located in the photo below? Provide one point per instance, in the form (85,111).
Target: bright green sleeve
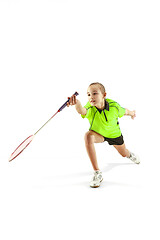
(121,110)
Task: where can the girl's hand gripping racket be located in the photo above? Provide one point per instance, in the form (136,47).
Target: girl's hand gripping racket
(29,139)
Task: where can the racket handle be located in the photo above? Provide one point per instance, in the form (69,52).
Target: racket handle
(65,104)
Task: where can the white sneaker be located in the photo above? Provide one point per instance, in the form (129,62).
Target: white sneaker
(134,158)
(96,180)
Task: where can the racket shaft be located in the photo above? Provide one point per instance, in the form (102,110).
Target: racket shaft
(45,123)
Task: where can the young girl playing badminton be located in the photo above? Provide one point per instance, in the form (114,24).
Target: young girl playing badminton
(103,114)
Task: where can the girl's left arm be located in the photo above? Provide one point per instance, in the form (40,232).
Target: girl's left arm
(130,113)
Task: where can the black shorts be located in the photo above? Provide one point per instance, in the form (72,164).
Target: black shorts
(115,141)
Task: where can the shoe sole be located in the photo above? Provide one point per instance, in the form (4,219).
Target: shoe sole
(135,162)
(138,162)
(96,186)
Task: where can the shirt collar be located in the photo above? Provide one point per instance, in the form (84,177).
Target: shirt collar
(105,107)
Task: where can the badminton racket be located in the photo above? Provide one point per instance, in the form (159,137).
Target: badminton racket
(29,139)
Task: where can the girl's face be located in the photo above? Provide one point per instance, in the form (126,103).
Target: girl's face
(95,96)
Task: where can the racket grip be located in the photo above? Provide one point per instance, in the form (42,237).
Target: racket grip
(65,104)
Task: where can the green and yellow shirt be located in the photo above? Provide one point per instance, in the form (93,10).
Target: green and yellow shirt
(105,122)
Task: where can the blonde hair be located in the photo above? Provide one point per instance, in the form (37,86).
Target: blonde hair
(102,88)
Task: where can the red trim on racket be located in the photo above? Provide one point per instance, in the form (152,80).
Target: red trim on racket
(10,159)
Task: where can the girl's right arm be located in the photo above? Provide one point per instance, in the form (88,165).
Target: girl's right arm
(80,109)
(78,106)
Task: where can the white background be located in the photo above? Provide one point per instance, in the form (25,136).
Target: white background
(48,50)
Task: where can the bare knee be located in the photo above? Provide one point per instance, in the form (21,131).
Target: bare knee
(89,138)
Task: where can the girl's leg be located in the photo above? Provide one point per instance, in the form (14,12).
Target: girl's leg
(90,138)
(122,150)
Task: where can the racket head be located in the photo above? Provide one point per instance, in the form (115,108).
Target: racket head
(21,147)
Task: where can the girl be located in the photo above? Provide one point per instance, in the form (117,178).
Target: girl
(103,116)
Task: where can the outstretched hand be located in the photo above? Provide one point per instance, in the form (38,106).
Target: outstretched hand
(72,100)
(133,114)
